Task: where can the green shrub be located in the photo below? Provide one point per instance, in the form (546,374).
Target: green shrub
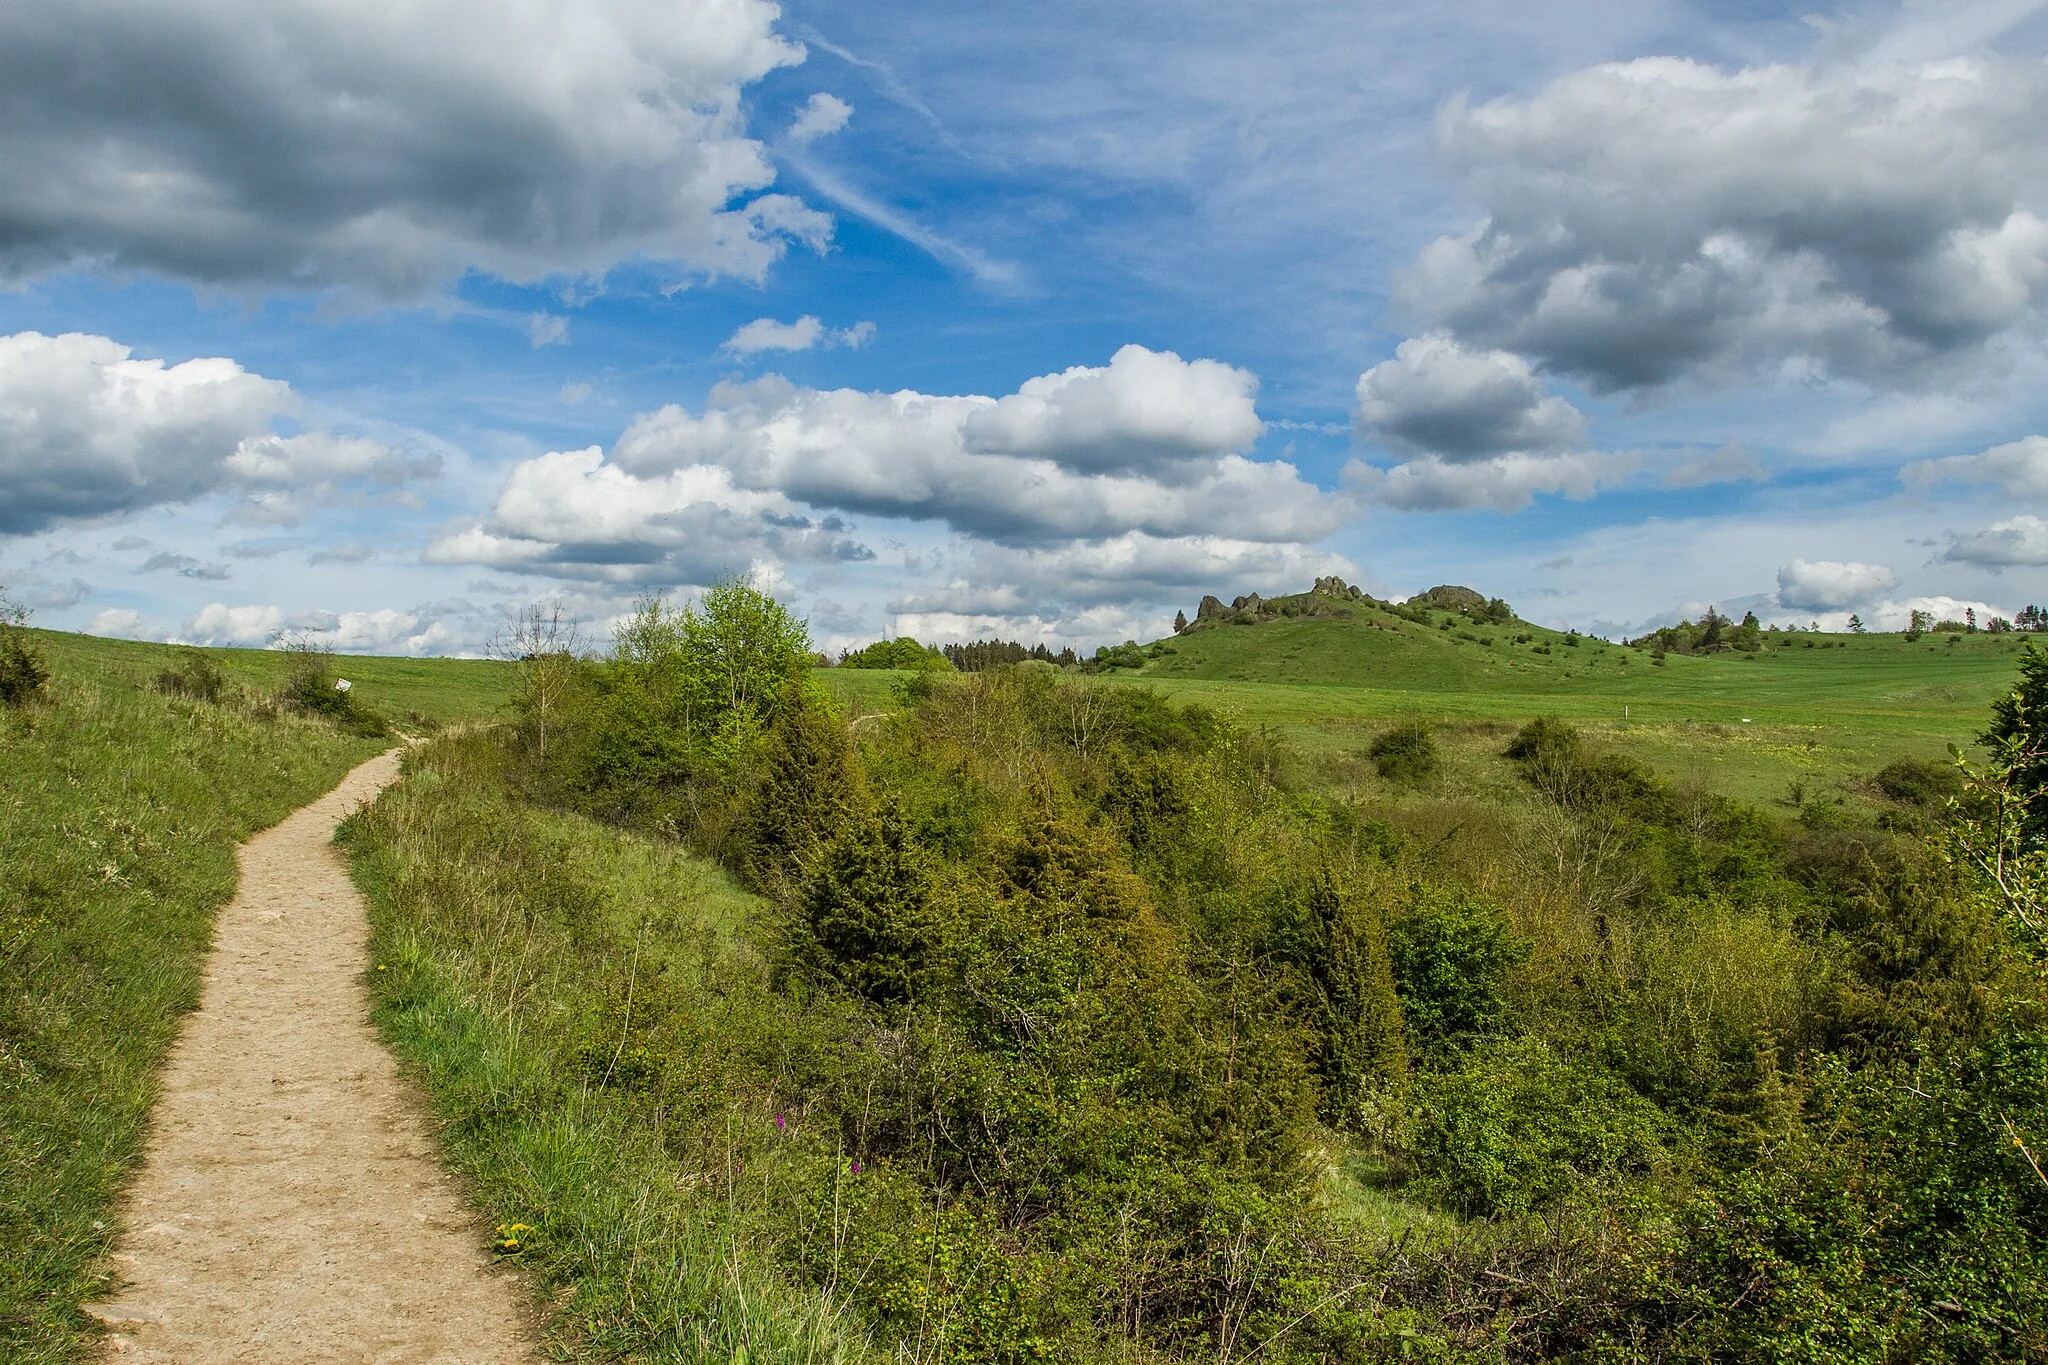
(1919,781)
(1520,1125)
(312,688)
(1544,739)
(1363,1048)
(193,675)
(1126,655)
(810,787)
(1450,955)
(868,910)
(1406,753)
(22,670)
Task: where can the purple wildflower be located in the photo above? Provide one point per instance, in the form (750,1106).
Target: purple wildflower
(856,1168)
(781,1122)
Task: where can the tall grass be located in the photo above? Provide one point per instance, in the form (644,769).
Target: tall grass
(500,933)
(119,811)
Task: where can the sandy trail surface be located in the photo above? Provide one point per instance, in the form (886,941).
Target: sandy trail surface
(292,1207)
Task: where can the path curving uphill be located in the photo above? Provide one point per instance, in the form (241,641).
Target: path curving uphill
(292,1207)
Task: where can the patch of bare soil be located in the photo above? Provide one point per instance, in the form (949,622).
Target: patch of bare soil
(292,1207)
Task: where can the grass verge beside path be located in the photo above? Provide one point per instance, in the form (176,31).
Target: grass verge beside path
(119,813)
(539,974)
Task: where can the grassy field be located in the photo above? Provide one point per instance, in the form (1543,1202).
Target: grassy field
(1818,709)
(442,690)
(1821,710)
(119,811)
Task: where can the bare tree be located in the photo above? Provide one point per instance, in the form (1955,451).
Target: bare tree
(541,641)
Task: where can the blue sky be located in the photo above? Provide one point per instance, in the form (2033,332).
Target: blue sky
(960,321)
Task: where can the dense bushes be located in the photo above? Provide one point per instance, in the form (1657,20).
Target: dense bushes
(1093,1004)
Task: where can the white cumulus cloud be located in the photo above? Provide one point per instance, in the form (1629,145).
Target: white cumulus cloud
(217,623)
(1087,488)
(766,334)
(823,115)
(571,514)
(87,430)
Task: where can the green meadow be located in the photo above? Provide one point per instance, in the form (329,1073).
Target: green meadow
(1821,710)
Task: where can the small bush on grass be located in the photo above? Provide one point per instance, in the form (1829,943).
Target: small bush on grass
(22,670)
(1919,781)
(194,676)
(1406,754)
(312,688)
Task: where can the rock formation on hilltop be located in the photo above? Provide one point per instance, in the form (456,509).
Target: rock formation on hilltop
(1318,602)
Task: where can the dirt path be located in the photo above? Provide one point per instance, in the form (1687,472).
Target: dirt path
(292,1208)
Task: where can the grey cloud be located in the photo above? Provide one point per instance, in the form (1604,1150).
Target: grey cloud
(2019,467)
(2016,542)
(50,594)
(268,548)
(352,553)
(1436,397)
(996,581)
(1505,483)
(184,565)
(1832,585)
(385,150)
(1659,220)
(1726,464)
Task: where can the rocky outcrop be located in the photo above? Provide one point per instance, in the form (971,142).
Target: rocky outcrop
(1333,586)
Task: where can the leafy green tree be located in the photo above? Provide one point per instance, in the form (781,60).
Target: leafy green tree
(742,648)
